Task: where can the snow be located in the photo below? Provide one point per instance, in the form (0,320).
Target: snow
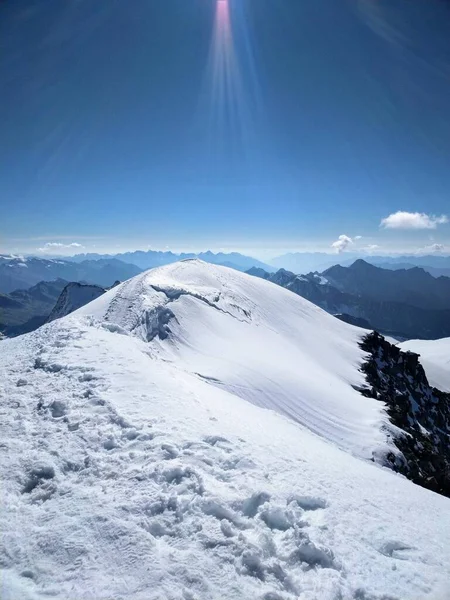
(135,467)
(435,359)
(321,280)
(5,257)
(257,341)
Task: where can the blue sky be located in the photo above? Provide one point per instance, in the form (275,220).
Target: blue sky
(124,127)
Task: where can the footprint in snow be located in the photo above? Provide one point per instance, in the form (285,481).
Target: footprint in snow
(395,549)
(216,440)
(308,502)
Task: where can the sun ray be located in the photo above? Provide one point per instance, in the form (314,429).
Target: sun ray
(230,101)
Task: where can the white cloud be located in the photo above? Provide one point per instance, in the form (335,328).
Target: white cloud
(358,237)
(433,249)
(50,246)
(342,243)
(371,247)
(436,248)
(407,220)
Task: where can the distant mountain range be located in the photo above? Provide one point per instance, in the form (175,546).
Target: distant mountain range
(22,311)
(306,262)
(413,286)
(23,273)
(153,258)
(435,271)
(406,304)
(103,269)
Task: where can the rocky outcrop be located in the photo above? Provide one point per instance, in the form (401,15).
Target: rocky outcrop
(22,311)
(419,412)
(74,296)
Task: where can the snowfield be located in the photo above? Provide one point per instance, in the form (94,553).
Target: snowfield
(246,337)
(194,434)
(435,359)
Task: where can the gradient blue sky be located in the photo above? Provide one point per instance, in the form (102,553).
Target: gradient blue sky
(111,134)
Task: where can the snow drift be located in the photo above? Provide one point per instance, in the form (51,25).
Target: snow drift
(140,461)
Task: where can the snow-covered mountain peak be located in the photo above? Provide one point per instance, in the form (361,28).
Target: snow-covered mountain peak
(147,467)
(244,334)
(221,288)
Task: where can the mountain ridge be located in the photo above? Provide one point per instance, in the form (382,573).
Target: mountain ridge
(23,273)
(22,311)
(147,259)
(221,444)
(414,286)
(305,262)
(391,317)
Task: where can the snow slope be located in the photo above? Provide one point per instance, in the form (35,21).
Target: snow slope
(254,340)
(129,473)
(435,359)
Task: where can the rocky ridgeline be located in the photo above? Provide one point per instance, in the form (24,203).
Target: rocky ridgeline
(421,412)
(74,296)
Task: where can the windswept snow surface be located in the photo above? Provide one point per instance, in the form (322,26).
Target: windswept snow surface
(132,470)
(254,340)
(435,359)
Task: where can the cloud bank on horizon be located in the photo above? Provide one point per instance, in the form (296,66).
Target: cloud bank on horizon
(412,238)
(60,247)
(400,220)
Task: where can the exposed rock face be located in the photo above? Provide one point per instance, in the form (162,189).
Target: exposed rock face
(421,413)
(22,311)
(74,296)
